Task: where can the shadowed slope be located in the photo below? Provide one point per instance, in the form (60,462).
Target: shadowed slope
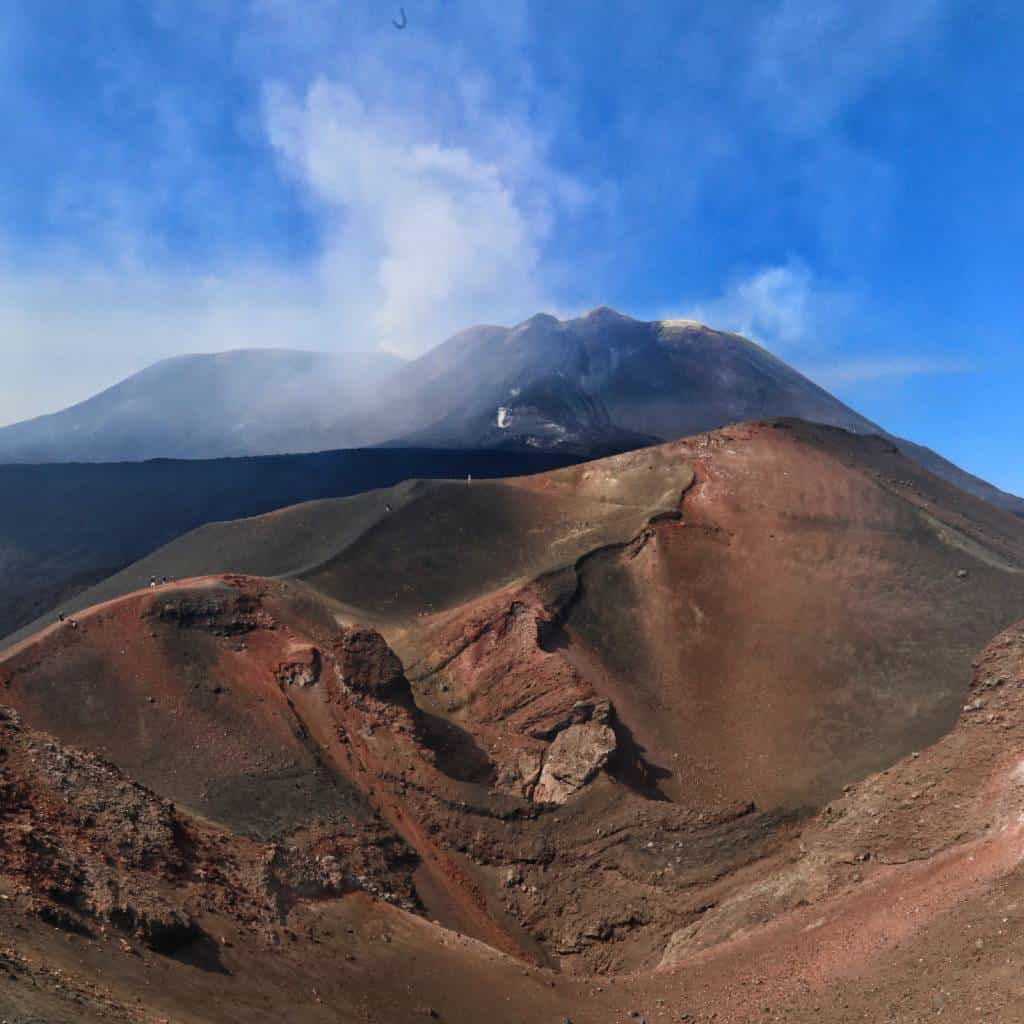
(64,527)
(498,524)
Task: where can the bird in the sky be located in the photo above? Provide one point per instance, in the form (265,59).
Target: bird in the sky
(404,20)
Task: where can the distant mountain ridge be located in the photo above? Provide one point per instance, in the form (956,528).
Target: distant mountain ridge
(588,386)
(244,402)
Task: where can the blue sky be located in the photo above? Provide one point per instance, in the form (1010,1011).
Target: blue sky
(843,181)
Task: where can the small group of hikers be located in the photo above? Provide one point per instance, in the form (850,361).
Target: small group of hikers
(66,620)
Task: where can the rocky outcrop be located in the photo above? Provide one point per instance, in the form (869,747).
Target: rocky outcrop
(214,608)
(589,710)
(495,668)
(574,758)
(520,774)
(301,666)
(368,666)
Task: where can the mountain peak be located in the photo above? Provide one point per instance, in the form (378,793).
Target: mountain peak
(604,313)
(540,318)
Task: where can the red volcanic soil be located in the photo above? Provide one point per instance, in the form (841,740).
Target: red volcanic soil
(902,899)
(809,618)
(689,733)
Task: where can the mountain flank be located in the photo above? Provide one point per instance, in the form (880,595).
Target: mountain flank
(590,386)
(65,527)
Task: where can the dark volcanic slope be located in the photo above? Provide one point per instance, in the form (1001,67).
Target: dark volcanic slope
(936,464)
(247,402)
(598,383)
(63,527)
(492,523)
(570,383)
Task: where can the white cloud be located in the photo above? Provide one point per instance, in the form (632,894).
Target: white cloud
(782,307)
(429,185)
(427,232)
(813,326)
(71,329)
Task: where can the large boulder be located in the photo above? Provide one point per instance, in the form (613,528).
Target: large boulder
(369,666)
(574,758)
